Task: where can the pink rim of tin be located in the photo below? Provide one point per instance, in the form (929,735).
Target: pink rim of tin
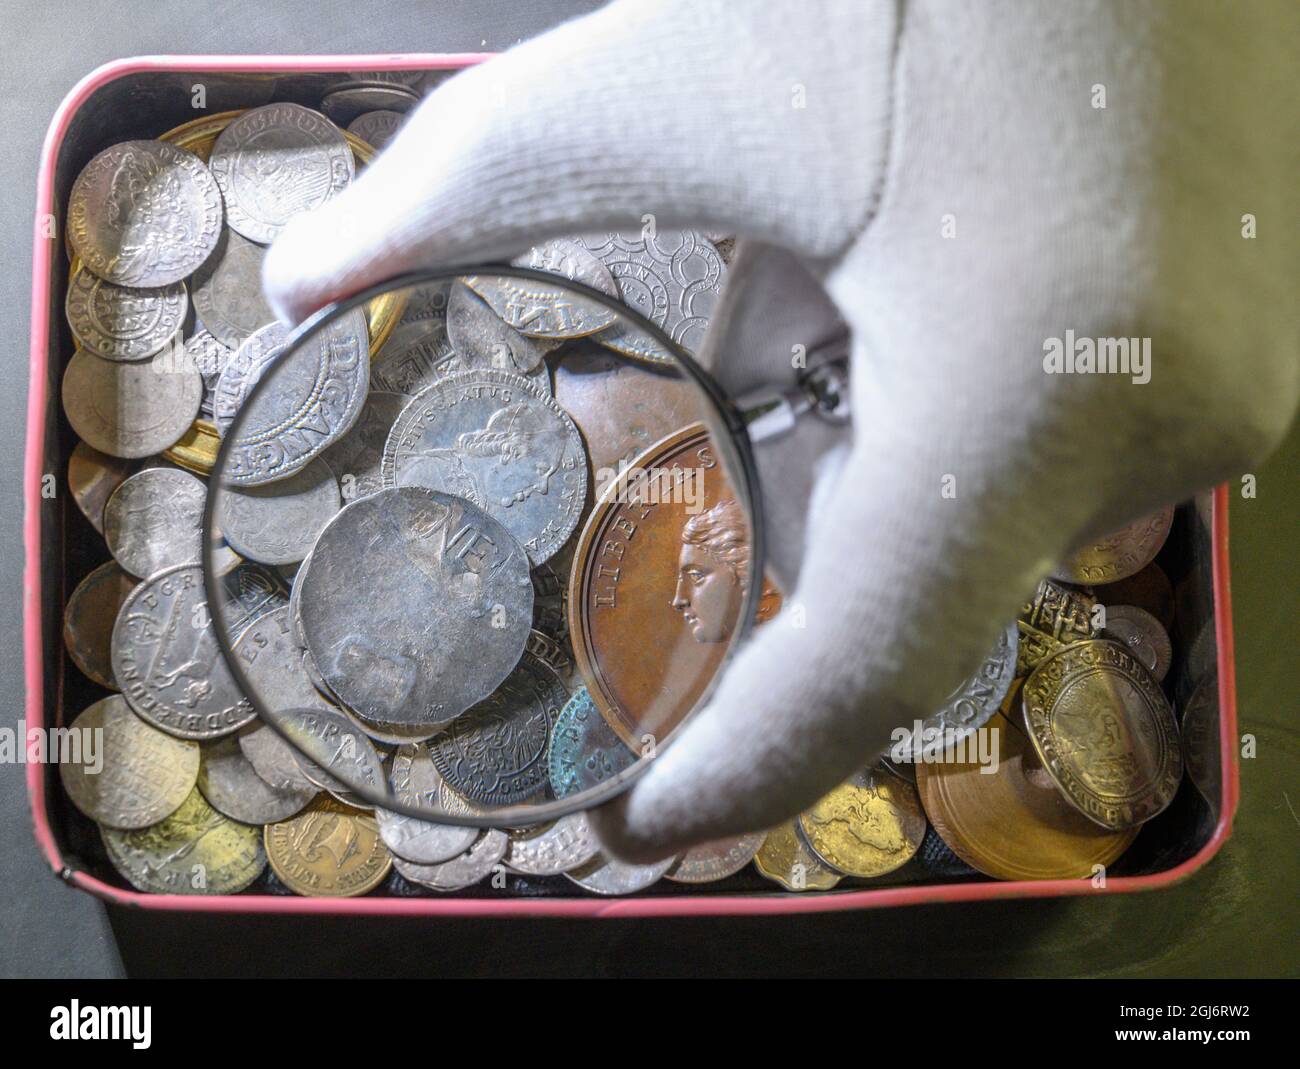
(775,903)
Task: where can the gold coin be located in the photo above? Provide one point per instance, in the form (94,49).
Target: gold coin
(328,850)
(195,851)
(1120,554)
(784,859)
(1013,823)
(197,449)
(1105,732)
(868,826)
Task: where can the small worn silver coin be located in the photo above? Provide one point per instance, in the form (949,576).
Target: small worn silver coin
(227,290)
(154,520)
(358,457)
(604,875)
(481,338)
(544,310)
(416,782)
(716,860)
(278,523)
(229,782)
(460,872)
(210,356)
(376,128)
(123,322)
(1144,635)
(551,849)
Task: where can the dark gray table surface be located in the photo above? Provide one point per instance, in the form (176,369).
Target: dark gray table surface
(1238,917)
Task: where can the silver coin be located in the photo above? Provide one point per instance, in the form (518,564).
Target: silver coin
(154,520)
(415,606)
(231,786)
(585,752)
(123,322)
(492,438)
(278,523)
(357,458)
(603,875)
(543,310)
(271,659)
(165,653)
(673,278)
(144,213)
(416,782)
(227,290)
(242,371)
(415,355)
(311,398)
(1144,635)
(496,752)
(970,706)
(345,103)
(550,600)
(716,860)
(481,338)
(276,161)
(426,303)
(376,128)
(335,754)
(124,772)
(210,357)
(460,872)
(272,758)
(134,409)
(564,844)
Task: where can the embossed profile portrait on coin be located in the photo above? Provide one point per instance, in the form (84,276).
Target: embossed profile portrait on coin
(713,571)
(143,207)
(509,460)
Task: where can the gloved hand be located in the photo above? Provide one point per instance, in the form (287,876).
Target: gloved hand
(947,172)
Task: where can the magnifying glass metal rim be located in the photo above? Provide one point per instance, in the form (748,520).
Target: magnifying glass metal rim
(737,440)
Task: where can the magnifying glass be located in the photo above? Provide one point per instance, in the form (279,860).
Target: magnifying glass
(517,523)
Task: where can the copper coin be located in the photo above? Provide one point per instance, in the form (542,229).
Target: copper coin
(716,860)
(92,478)
(1148,589)
(1013,823)
(663,564)
(622,407)
(1120,554)
(1105,732)
(89,617)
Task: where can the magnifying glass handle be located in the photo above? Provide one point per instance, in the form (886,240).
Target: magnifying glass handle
(771,411)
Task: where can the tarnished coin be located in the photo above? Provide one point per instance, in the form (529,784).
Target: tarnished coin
(622,407)
(346,102)
(1008,820)
(564,844)
(232,786)
(154,520)
(131,409)
(88,621)
(1143,634)
(1148,589)
(426,304)
(376,128)
(335,754)
(124,773)
(482,338)
(585,752)
(1054,617)
(329,850)
(967,708)
(674,279)
(416,782)
(460,872)
(243,369)
(416,355)
(92,478)
(278,523)
(195,851)
(1118,555)
(306,402)
(227,290)
(496,752)
(415,606)
(275,665)
(785,858)
(716,860)
(604,875)
(276,161)
(492,438)
(210,356)
(357,458)
(144,213)
(870,825)
(272,758)
(549,593)
(543,310)
(1105,732)
(122,322)
(165,653)
(1202,749)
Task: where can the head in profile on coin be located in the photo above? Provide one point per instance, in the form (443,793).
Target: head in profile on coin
(139,184)
(713,571)
(503,463)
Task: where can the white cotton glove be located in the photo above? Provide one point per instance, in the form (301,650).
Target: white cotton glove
(944,170)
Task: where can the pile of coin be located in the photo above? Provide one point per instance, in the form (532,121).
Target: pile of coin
(443,565)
